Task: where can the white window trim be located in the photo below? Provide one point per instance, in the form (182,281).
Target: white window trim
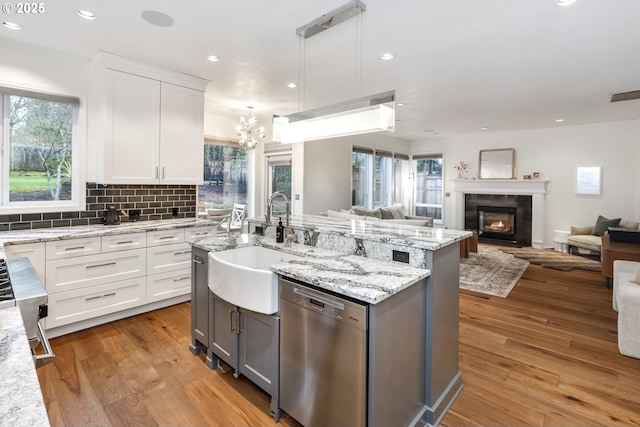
(78,144)
(414,189)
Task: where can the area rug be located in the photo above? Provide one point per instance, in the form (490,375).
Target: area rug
(553,259)
(491,271)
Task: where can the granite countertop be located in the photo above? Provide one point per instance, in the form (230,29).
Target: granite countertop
(364,279)
(21,401)
(429,238)
(61,233)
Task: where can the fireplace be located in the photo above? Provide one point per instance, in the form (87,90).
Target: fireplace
(526,195)
(499,218)
(497,222)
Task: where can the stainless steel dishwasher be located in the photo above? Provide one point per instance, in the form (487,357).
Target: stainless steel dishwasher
(323,357)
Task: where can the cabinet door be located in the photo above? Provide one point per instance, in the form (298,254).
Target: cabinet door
(168,285)
(166,258)
(120,242)
(259,349)
(224,342)
(181,135)
(82,304)
(90,270)
(71,248)
(196,233)
(34,251)
(131,154)
(200,297)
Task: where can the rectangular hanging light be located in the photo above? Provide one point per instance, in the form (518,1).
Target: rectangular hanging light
(373,113)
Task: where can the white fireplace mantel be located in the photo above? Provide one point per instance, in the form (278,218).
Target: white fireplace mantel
(535,188)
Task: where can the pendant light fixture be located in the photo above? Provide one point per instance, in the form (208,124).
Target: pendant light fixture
(367,114)
(245,130)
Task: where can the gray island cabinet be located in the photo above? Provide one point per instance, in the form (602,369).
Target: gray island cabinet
(412,375)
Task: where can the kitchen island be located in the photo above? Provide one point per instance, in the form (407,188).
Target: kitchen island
(21,402)
(412,364)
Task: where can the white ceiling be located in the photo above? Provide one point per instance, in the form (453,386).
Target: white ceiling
(460,65)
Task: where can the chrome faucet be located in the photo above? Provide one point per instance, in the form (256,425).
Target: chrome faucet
(289,235)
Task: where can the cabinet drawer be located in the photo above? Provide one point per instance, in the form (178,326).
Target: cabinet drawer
(119,242)
(164,237)
(82,304)
(60,249)
(161,259)
(196,233)
(91,270)
(168,285)
(34,251)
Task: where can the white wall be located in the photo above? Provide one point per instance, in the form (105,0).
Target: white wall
(555,153)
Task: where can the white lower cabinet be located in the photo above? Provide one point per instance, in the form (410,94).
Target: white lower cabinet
(87,278)
(168,285)
(87,303)
(34,251)
(81,272)
(161,259)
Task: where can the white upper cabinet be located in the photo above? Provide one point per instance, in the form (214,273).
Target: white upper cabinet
(149,124)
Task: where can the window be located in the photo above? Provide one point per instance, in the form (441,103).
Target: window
(428,185)
(400,179)
(39,170)
(279,179)
(383,190)
(379,178)
(226,176)
(362,177)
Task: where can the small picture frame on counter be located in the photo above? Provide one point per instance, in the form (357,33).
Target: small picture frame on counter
(536,175)
(526,176)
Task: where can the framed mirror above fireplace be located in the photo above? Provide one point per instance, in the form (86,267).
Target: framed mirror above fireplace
(497,164)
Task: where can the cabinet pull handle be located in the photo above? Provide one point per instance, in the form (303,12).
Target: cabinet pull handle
(183,252)
(75,248)
(239,316)
(100,296)
(166,237)
(204,233)
(180,279)
(156,172)
(125,242)
(231,327)
(101,265)
(198,261)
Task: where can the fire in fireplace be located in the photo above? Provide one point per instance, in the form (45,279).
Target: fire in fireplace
(497,222)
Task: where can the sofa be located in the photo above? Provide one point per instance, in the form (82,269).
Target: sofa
(391,215)
(587,240)
(626,301)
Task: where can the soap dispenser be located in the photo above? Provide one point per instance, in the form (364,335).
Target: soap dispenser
(280,232)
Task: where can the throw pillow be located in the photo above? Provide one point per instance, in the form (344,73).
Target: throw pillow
(637,279)
(396,211)
(580,231)
(367,212)
(386,213)
(603,224)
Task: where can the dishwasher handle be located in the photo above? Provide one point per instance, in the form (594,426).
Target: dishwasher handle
(318,300)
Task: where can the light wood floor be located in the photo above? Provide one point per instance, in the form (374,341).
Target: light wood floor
(545,356)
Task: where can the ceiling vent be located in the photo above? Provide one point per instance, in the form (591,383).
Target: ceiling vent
(625,96)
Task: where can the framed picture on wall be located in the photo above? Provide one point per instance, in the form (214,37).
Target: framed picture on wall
(589,180)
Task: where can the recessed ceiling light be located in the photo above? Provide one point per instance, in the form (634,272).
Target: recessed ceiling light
(213,58)
(400,104)
(484,128)
(559,120)
(11,25)
(565,2)
(156,18)
(387,56)
(292,85)
(86,14)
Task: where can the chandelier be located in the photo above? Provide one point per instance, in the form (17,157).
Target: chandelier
(245,130)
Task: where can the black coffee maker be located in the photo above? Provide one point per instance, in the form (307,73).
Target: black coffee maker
(111,216)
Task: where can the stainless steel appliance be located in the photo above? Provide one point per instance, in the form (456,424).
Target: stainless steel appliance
(20,285)
(323,357)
